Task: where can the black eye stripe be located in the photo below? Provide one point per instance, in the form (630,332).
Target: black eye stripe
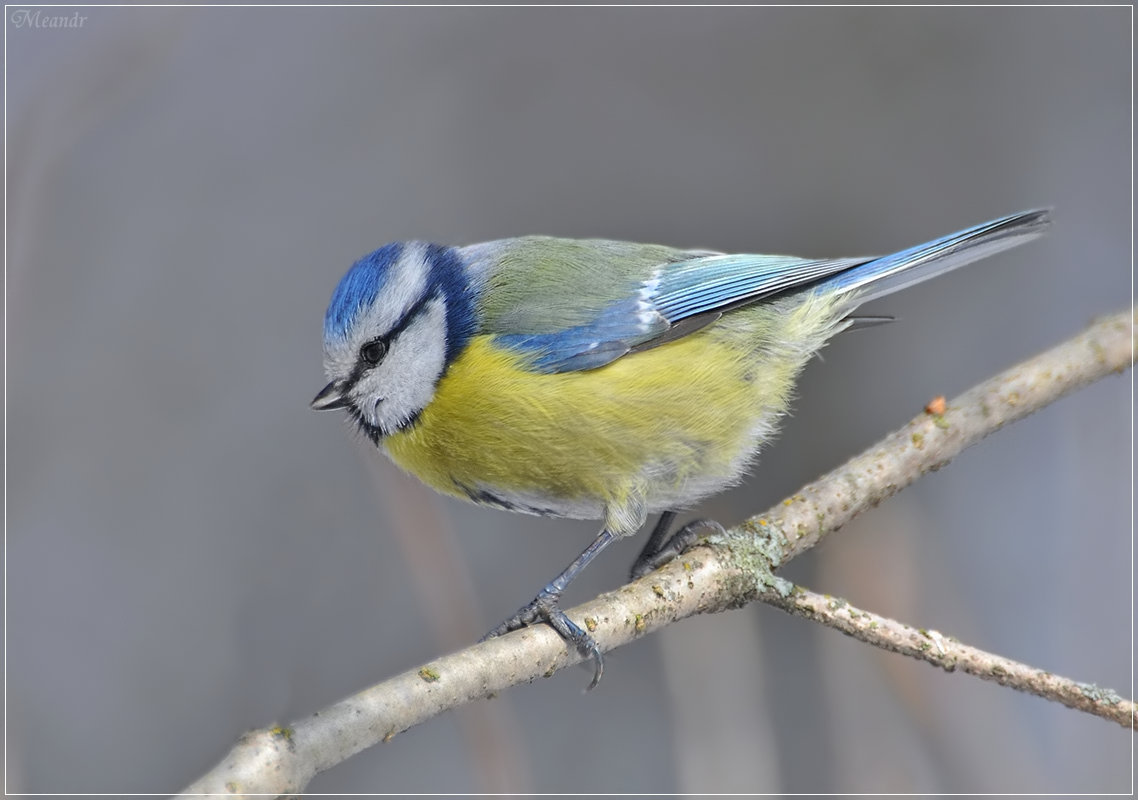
(408,317)
(404,322)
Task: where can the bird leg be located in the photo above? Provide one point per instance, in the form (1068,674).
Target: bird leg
(546,608)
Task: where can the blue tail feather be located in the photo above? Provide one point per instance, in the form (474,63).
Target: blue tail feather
(891,273)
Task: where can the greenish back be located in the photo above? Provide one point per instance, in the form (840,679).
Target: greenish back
(535,284)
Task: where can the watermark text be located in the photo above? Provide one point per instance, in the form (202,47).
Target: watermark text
(38,18)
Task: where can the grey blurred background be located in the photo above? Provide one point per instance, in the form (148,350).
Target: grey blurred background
(191,552)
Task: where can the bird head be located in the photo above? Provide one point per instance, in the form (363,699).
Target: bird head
(396,321)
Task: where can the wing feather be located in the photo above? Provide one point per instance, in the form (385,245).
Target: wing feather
(580,304)
(656,295)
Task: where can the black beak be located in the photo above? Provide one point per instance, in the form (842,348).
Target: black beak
(329,398)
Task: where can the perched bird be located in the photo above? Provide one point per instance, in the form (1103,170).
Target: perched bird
(596,379)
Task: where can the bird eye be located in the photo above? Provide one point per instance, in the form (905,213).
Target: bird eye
(374,351)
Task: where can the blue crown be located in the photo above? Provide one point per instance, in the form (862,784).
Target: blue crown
(447,278)
(358,289)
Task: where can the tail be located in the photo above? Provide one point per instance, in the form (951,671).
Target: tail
(892,273)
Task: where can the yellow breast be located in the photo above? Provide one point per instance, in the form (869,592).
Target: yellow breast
(667,425)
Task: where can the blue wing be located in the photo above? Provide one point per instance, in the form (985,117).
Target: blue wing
(722,282)
(676,299)
(689,290)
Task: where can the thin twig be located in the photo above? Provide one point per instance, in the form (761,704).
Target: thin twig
(950,655)
(724,574)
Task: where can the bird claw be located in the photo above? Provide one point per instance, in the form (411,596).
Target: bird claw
(677,544)
(545,608)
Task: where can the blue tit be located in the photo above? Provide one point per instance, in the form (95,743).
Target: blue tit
(595,379)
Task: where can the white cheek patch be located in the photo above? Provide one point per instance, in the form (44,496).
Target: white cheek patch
(391,394)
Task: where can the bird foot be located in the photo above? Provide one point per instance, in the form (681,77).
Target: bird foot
(677,544)
(545,608)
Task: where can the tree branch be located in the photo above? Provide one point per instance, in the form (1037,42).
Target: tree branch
(730,572)
(951,655)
